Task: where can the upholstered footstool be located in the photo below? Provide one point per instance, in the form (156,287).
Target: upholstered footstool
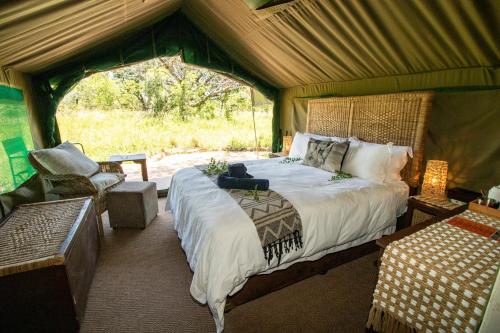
(132,204)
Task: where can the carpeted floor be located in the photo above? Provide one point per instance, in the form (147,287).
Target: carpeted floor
(142,285)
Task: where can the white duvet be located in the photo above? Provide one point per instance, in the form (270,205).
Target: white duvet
(221,242)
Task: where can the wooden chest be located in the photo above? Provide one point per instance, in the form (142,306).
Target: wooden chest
(48,254)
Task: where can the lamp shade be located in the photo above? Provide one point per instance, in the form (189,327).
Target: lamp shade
(436,173)
(287,143)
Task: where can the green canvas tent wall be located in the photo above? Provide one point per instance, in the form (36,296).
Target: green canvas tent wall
(303,48)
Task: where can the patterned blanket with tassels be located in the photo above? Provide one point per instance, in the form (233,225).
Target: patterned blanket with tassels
(277,222)
(438,279)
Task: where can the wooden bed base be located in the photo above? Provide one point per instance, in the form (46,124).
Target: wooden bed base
(260,285)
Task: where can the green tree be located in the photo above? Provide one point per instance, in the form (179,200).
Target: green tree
(162,86)
(99,91)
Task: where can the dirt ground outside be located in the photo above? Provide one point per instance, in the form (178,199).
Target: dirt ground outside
(161,169)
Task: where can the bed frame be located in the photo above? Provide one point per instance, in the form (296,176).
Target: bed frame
(399,118)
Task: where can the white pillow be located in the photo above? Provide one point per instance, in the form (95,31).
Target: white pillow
(301,140)
(367,161)
(299,145)
(397,158)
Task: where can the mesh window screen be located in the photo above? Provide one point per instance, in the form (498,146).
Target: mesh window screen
(15,138)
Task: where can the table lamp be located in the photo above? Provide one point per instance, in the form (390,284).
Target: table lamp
(436,173)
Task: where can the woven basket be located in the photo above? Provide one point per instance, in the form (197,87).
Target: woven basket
(33,236)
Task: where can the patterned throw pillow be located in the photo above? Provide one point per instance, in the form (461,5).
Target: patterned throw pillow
(326,155)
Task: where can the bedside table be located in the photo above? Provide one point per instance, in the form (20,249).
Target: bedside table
(422,208)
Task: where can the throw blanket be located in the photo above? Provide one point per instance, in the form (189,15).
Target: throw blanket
(437,279)
(277,222)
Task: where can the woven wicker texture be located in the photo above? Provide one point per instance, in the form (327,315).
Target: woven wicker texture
(419,216)
(398,118)
(329,116)
(439,202)
(287,144)
(436,280)
(435,177)
(32,235)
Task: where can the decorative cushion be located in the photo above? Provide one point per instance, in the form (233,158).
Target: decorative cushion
(65,159)
(326,155)
(301,140)
(104,180)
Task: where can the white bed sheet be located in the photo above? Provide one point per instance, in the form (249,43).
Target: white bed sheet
(222,245)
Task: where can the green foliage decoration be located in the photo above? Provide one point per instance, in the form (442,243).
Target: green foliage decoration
(290,160)
(340,175)
(215,168)
(253,193)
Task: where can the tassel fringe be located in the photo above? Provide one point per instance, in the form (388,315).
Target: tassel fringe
(383,322)
(286,244)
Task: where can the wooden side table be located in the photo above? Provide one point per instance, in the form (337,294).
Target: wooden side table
(136,158)
(422,208)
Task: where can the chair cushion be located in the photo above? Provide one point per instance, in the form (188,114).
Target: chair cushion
(104,180)
(65,159)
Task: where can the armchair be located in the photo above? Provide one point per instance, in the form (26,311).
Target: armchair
(70,174)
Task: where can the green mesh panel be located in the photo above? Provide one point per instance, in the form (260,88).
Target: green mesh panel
(15,138)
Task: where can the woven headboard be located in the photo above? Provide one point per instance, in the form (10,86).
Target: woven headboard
(399,118)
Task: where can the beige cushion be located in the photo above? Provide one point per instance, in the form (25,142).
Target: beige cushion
(104,180)
(65,159)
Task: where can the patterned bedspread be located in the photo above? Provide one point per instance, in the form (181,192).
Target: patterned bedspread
(437,280)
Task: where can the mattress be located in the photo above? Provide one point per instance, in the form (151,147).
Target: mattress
(222,245)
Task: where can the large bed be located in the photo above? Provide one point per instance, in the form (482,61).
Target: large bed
(339,219)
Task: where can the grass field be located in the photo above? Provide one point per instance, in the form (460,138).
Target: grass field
(113,132)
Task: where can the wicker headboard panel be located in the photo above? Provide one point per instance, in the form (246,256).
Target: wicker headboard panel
(399,118)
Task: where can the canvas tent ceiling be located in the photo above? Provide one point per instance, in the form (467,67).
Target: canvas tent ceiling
(35,35)
(313,41)
(304,42)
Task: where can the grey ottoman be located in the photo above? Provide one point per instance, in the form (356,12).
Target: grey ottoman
(132,204)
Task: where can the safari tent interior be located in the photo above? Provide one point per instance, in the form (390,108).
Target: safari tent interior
(325,239)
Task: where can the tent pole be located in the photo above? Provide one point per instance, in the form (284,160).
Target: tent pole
(255,132)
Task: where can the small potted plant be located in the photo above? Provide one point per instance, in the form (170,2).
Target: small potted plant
(483,199)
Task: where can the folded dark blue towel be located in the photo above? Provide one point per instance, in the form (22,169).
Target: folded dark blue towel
(238,170)
(225,181)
